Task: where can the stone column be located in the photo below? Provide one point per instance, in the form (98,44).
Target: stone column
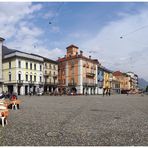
(80,76)
(15,88)
(66,71)
(22,90)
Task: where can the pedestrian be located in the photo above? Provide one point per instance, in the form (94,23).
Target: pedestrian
(103,92)
(109,92)
(106,92)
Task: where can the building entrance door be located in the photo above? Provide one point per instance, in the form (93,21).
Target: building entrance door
(26,90)
(19,90)
(10,89)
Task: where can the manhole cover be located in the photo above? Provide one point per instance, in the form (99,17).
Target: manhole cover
(116,117)
(53,134)
(95,110)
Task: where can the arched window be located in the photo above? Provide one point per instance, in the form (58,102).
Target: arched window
(9,76)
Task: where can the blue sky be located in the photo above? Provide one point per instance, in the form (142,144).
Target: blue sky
(95,27)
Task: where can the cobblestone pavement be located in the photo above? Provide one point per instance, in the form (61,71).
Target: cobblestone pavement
(78,120)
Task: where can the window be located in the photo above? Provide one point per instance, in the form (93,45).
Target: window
(45,65)
(40,79)
(50,66)
(54,67)
(26,65)
(31,66)
(34,66)
(40,67)
(31,78)
(9,76)
(9,65)
(26,77)
(34,78)
(19,64)
(19,77)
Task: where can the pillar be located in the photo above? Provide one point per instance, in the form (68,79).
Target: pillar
(80,76)
(22,91)
(15,88)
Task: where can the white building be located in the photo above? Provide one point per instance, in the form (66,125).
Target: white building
(22,72)
(1,78)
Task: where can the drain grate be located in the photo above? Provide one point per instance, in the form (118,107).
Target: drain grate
(95,110)
(117,118)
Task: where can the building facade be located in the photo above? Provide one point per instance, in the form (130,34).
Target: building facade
(116,86)
(1,76)
(77,72)
(107,80)
(133,81)
(50,75)
(124,80)
(22,73)
(100,79)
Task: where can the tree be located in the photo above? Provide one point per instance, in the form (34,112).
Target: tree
(146,89)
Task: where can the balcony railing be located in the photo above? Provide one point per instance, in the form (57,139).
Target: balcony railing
(90,84)
(89,74)
(51,83)
(20,81)
(55,76)
(72,84)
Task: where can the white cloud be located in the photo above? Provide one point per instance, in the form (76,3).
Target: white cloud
(11,14)
(117,51)
(55,29)
(23,34)
(49,15)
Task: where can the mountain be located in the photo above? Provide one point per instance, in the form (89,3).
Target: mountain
(142,83)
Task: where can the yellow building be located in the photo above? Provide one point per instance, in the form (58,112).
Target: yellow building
(107,83)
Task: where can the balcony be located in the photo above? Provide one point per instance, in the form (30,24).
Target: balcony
(72,84)
(20,81)
(55,76)
(46,74)
(51,83)
(31,82)
(90,74)
(89,84)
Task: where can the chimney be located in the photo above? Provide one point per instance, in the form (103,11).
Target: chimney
(58,58)
(65,56)
(81,52)
(89,57)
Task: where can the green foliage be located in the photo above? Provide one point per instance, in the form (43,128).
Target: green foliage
(146,89)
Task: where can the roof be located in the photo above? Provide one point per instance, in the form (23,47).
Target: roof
(75,57)
(46,59)
(72,46)
(105,69)
(7,51)
(117,73)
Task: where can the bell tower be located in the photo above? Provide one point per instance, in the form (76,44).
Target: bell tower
(72,50)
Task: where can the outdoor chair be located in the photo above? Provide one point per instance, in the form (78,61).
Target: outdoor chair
(3,114)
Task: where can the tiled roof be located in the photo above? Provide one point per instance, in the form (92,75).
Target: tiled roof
(72,46)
